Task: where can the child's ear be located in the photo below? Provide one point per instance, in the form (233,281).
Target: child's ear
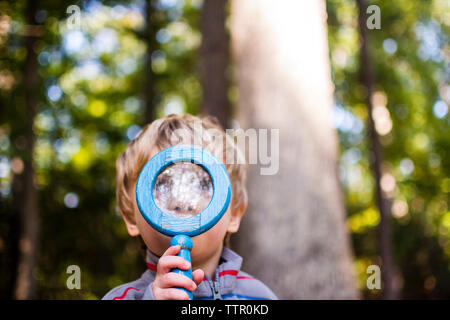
(131,225)
(236,217)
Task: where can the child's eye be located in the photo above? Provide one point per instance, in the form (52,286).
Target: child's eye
(205,184)
(163,183)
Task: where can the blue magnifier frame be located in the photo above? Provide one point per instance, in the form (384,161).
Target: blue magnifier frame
(181,229)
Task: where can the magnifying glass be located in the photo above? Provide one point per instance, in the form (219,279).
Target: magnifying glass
(182,192)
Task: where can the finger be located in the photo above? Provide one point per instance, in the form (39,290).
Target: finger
(173,294)
(171,251)
(198,276)
(173,279)
(167,263)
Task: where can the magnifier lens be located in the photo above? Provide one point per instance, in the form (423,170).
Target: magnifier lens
(183,190)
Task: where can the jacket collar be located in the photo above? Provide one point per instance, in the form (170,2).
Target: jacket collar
(225,276)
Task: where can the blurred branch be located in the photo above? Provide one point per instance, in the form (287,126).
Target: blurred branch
(29,220)
(382,202)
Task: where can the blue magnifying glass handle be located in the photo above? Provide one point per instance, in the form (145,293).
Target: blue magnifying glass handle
(185,252)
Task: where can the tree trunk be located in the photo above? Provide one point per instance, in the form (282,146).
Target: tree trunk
(214,56)
(29,220)
(382,202)
(293,236)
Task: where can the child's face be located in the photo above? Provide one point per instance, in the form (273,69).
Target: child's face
(206,245)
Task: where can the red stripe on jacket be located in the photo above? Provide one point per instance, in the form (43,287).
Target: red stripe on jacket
(245,277)
(151,266)
(231,273)
(228,272)
(125,293)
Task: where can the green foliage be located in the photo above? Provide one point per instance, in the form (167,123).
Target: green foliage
(91,104)
(408,54)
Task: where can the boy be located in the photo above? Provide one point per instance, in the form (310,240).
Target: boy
(216,268)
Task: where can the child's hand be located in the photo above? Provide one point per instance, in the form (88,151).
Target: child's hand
(165,281)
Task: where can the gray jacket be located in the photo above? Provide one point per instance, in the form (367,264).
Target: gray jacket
(230,283)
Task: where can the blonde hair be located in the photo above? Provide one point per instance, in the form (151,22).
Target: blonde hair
(172,130)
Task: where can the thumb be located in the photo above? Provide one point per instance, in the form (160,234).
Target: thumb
(198,276)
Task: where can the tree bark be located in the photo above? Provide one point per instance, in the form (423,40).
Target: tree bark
(29,221)
(382,202)
(214,58)
(293,236)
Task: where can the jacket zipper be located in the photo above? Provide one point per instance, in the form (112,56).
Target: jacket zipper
(215,287)
(216,291)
